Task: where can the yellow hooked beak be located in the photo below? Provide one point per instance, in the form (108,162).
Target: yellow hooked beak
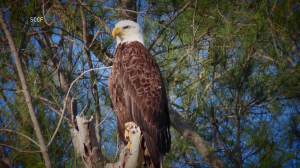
(117,31)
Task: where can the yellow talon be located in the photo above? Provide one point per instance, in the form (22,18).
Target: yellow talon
(127,125)
(128,146)
(126,133)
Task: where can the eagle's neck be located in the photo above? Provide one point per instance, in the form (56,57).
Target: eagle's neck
(130,38)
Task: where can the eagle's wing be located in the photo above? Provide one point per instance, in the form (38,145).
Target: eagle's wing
(117,93)
(145,97)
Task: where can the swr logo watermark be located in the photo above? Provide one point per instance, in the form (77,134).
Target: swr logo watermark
(36,19)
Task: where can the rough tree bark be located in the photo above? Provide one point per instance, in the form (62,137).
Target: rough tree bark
(85,143)
(36,125)
(87,147)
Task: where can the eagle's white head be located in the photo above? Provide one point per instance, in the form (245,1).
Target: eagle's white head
(127,31)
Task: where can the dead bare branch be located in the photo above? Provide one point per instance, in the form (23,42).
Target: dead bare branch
(103,119)
(66,100)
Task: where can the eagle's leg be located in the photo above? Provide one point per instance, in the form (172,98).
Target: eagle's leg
(127,133)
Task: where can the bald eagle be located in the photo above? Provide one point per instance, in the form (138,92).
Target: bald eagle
(138,93)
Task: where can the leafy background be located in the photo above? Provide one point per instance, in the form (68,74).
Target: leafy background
(231,70)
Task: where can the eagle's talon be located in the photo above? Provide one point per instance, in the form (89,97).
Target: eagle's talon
(127,125)
(128,146)
(126,135)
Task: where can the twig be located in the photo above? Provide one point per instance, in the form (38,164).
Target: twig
(167,25)
(66,99)
(87,104)
(263,157)
(8,89)
(98,32)
(56,111)
(221,14)
(274,38)
(261,54)
(118,148)
(21,151)
(45,14)
(274,6)
(69,39)
(47,100)
(36,32)
(126,10)
(275,98)
(97,17)
(103,119)
(8,124)
(57,165)
(23,135)
(11,5)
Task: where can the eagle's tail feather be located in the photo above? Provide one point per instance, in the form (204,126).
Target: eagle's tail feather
(153,151)
(161,161)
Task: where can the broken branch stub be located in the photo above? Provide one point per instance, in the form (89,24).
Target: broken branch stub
(85,143)
(86,146)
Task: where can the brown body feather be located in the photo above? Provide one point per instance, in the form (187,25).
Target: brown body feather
(138,94)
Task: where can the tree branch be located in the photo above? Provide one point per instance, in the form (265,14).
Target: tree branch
(19,150)
(42,143)
(126,10)
(97,17)
(4,158)
(167,25)
(23,135)
(194,138)
(66,100)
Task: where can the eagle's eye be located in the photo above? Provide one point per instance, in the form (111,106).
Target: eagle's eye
(126,27)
